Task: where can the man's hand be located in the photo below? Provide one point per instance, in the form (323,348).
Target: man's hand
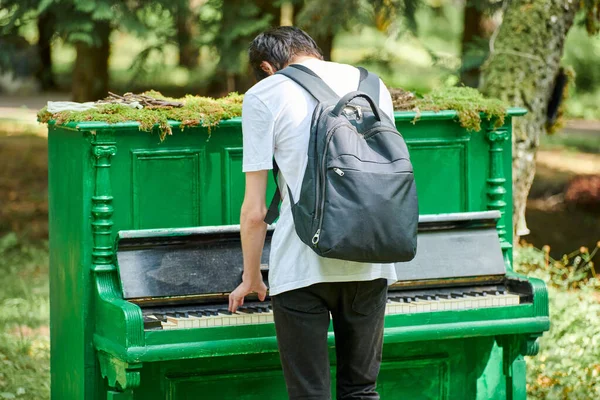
(256,285)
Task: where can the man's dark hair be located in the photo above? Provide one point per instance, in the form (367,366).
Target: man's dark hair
(278,46)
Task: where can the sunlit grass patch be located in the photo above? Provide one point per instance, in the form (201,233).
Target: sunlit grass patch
(24,318)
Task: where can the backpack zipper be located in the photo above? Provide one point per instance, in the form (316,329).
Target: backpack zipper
(323,172)
(318,180)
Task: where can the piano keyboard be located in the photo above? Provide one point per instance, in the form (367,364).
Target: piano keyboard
(262,313)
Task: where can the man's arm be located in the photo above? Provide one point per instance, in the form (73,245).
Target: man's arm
(252,230)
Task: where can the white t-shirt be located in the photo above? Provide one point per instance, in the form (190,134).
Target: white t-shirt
(276,118)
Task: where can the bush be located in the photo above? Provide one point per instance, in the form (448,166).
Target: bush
(568,364)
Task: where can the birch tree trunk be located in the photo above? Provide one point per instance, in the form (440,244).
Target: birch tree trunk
(522,67)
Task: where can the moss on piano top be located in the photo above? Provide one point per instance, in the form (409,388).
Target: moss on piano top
(195,110)
(468,103)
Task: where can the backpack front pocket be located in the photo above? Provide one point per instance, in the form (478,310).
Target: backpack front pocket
(359,205)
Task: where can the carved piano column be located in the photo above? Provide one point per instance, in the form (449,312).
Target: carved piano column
(122,377)
(102,210)
(496,191)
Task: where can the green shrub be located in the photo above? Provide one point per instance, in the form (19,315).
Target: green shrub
(568,364)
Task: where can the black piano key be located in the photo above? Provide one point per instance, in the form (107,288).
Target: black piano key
(197,314)
(456,295)
(224,311)
(151,323)
(247,310)
(160,316)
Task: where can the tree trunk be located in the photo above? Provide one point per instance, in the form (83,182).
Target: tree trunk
(474,49)
(45,23)
(188,52)
(288,13)
(326,44)
(523,64)
(90,73)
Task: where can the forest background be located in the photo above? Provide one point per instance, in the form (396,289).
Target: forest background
(80,49)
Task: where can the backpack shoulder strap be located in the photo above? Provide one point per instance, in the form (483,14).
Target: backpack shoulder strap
(273,210)
(313,84)
(310,81)
(369,83)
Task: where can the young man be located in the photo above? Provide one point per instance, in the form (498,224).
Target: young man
(305,288)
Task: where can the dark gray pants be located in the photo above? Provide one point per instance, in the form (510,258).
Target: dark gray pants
(302,320)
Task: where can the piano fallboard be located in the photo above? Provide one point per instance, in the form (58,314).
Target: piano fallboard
(202,265)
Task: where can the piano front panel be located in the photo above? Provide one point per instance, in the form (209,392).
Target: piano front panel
(448,370)
(190,179)
(193,179)
(451,177)
(182,208)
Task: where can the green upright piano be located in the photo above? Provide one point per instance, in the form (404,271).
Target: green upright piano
(144,248)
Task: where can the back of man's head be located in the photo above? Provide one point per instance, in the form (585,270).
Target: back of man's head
(278,46)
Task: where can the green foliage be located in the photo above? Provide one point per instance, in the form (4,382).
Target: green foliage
(322,18)
(572,271)
(196,111)
(24,316)
(229,26)
(582,53)
(568,365)
(76,19)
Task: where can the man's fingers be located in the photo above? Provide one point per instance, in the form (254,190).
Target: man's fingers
(235,302)
(262,295)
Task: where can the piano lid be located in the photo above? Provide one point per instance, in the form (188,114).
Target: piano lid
(455,247)
(163,263)
(207,261)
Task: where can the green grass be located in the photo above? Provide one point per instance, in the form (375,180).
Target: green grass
(24,318)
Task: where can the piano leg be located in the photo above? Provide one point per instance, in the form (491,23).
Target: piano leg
(514,349)
(518,372)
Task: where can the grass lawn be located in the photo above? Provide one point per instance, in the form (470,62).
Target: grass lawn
(24,318)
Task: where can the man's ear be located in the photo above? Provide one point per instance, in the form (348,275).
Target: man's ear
(267,68)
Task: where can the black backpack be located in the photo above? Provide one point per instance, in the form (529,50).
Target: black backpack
(358,200)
